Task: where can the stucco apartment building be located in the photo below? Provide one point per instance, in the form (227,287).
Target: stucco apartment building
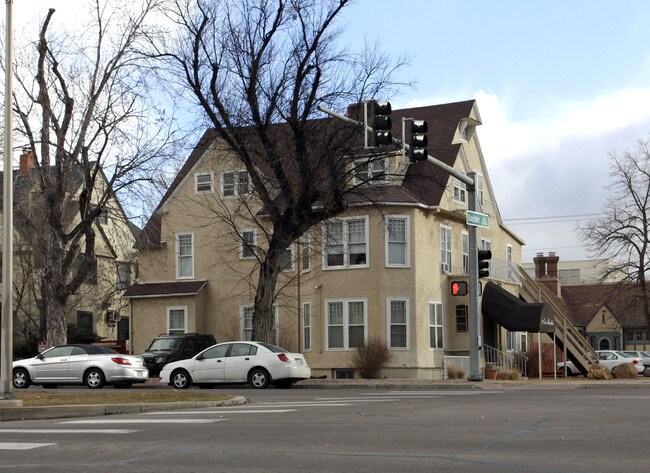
(98,307)
(379,271)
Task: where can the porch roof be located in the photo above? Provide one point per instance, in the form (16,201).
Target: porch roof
(165,289)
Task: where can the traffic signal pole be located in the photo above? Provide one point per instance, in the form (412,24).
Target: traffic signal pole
(470,180)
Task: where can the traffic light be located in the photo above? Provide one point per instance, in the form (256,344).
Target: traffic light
(414,133)
(377,115)
(459,288)
(484,257)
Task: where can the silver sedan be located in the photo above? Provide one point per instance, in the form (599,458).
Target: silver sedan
(94,366)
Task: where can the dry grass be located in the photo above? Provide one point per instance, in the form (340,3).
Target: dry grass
(455,372)
(33,398)
(509,375)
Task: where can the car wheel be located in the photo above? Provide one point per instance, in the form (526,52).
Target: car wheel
(646,371)
(283,384)
(568,372)
(94,378)
(259,378)
(21,379)
(181,379)
(124,385)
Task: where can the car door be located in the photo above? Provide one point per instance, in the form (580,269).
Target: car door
(52,365)
(79,361)
(239,361)
(209,366)
(608,359)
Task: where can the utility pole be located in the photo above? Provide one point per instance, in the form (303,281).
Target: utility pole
(418,128)
(6,335)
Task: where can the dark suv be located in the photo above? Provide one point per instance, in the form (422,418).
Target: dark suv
(166,348)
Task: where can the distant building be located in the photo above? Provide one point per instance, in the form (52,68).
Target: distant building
(577,272)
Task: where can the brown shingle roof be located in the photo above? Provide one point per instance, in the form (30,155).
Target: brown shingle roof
(165,289)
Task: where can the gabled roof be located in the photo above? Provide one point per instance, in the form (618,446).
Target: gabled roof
(622,300)
(164,289)
(423,184)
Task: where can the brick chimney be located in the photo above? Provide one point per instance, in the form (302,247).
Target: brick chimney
(540,265)
(26,162)
(551,264)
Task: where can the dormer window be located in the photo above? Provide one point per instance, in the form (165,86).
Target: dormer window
(370,170)
(460,191)
(466,130)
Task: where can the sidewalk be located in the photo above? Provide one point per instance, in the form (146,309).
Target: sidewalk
(9,412)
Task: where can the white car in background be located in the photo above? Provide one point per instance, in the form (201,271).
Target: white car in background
(607,358)
(645,358)
(258,364)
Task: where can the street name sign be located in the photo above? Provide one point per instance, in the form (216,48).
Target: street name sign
(477,219)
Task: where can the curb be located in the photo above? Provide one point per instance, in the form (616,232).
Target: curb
(60,412)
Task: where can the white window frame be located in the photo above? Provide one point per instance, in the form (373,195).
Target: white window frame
(509,262)
(436,339)
(345,243)
(305,253)
(306,326)
(243,329)
(406,242)
(464,251)
(376,170)
(196,183)
(479,189)
(242,244)
(169,310)
(390,323)
(345,323)
(178,256)
(485,244)
(236,175)
(459,193)
(291,266)
(446,235)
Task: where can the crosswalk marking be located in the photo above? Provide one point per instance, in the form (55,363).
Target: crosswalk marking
(142,421)
(68,431)
(224,411)
(22,445)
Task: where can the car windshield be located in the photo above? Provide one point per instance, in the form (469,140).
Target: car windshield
(165,344)
(645,354)
(273,348)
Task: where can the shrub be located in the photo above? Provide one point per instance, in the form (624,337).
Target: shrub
(509,375)
(369,360)
(455,372)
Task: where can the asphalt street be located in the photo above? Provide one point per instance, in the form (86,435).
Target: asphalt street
(532,429)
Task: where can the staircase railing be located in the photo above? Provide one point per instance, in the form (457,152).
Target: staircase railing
(505,360)
(566,334)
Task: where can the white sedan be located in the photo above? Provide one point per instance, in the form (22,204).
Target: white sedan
(258,364)
(607,358)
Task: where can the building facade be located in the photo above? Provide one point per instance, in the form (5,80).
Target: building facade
(379,271)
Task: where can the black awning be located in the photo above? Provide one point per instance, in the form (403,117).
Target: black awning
(512,313)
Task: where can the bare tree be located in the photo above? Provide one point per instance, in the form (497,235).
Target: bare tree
(622,233)
(85,116)
(258,70)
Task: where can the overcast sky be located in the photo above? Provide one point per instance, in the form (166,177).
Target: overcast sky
(559,85)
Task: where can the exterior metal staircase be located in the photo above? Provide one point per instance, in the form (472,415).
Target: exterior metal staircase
(567,337)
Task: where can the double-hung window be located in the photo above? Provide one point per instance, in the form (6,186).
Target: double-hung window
(465,252)
(435,325)
(286,264)
(398,323)
(370,170)
(346,324)
(185,255)
(176,320)
(306,326)
(203,183)
(460,190)
(247,247)
(397,248)
(445,249)
(346,243)
(305,252)
(234,184)
(461,319)
(246,318)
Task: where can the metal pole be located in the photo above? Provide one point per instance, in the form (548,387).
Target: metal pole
(474,322)
(6,335)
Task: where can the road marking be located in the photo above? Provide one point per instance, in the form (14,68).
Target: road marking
(142,421)
(68,431)
(22,446)
(223,411)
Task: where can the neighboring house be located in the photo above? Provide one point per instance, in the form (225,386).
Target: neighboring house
(98,307)
(572,273)
(381,270)
(610,315)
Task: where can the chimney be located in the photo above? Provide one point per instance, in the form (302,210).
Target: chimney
(550,279)
(26,162)
(551,264)
(540,265)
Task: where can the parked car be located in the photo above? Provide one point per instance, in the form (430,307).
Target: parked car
(166,348)
(645,359)
(606,358)
(94,366)
(258,364)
